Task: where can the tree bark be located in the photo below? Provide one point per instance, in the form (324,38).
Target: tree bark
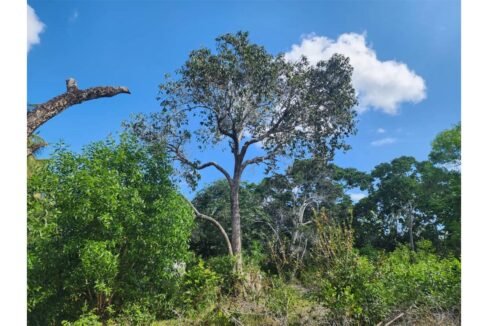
(412,244)
(236,224)
(73,96)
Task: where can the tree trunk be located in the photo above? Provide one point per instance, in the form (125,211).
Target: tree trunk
(215,223)
(73,96)
(412,245)
(236,224)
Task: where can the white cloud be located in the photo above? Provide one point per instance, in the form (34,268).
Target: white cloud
(357,196)
(380,130)
(34,28)
(381,85)
(384,141)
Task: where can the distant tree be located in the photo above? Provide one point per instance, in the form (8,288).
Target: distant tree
(442,185)
(446,148)
(415,199)
(290,199)
(245,96)
(391,210)
(105,229)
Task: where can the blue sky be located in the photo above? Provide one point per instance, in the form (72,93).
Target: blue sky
(407,55)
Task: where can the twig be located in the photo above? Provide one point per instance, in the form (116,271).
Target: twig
(393,320)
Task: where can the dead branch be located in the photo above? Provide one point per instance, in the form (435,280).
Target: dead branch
(393,320)
(44,112)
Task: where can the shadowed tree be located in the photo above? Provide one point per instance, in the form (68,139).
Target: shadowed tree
(241,95)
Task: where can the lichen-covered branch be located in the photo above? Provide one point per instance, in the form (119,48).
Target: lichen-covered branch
(44,112)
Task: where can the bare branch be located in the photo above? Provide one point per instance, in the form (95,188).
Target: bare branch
(73,96)
(214,222)
(182,158)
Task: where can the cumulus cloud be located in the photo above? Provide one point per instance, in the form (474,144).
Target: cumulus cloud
(380,130)
(381,85)
(384,141)
(34,28)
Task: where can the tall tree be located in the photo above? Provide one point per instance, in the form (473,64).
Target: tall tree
(392,207)
(245,96)
(442,185)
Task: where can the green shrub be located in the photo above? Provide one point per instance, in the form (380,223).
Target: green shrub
(135,314)
(352,290)
(366,289)
(422,279)
(86,319)
(224,267)
(281,299)
(105,228)
(199,288)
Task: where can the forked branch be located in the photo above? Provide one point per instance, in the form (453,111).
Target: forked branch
(214,222)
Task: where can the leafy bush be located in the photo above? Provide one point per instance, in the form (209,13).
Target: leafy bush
(87,318)
(352,290)
(105,228)
(135,314)
(358,289)
(199,288)
(281,299)
(422,279)
(224,267)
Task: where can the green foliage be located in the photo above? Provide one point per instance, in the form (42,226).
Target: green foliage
(105,228)
(134,314)
(422,279)
(88,318)
(358,289)
(409,200)
(199,288)
(446,147)
(214,201)
(224,267)
(281,299)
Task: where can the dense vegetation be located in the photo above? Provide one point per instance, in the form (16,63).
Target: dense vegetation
(111,241)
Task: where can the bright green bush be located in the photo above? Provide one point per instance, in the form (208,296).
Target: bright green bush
(88,318)
(353,291)
(135,314)
(422,279)
(224,267)
(199,288)
(366,289)
(105,228)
